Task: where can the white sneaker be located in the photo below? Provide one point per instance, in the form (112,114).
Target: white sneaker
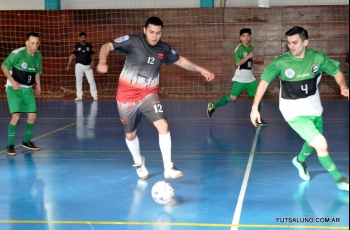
(303,173)
(141,170)
(172,173)
(96,98)
(78,99)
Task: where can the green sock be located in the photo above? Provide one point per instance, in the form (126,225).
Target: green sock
(305,152)
(12,130)
(329,165)
(223,101)
(29,132)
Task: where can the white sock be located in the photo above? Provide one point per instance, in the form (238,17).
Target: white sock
(134,148)
(165,148)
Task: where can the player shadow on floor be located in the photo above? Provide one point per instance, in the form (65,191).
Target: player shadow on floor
(300,196)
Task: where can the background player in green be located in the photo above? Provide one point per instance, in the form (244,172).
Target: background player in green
(300,72)
(22,69)
(243,78)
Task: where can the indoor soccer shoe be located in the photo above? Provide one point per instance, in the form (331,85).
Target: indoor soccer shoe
(172,173)
(303,173)
(11,150)
(141,170)
(210,109)
(343,184)
(262,123)
(30,145)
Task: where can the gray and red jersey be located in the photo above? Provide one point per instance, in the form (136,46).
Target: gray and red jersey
(140,75)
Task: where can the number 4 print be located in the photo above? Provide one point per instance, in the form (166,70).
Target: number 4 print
(304,88)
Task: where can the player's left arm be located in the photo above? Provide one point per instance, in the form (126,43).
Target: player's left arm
(37,90)
(186,64)
(340,79)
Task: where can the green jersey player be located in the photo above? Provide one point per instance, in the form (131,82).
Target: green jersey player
(300,72)
(22,69)
(243,78)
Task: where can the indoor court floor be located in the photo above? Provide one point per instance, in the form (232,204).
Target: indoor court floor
(235,176)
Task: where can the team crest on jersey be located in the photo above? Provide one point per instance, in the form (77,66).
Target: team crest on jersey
(122,39)
(173,52)
(289,73)
(161,57)
(24,65)
(314,68)
(245,54)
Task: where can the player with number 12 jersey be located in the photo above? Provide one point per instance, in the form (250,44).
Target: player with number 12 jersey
(140,75)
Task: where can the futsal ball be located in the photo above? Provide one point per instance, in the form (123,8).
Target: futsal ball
(162,192)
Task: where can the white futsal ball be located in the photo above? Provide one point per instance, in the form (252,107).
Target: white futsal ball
(162,192)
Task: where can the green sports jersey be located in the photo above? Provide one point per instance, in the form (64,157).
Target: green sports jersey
(23,66)
(299,79)
(241,52)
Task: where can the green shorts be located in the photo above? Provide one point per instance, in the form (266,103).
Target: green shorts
(238,87)
(21,101)
(308,127)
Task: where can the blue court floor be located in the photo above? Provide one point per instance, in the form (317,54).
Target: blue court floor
(235,176)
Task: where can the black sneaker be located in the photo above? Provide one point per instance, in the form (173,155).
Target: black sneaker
(30,145)
(211,109)
(262,123)
(11,150)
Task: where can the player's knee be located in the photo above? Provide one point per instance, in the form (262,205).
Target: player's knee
(162,126)
(130,136)
(15,118)
(233,98)
(319,143)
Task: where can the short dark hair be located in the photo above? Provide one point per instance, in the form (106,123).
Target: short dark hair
(82,34)
(245,30)
(154,21)
(298,30)
(32,34)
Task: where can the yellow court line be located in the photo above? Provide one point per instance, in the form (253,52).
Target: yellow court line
(44,135)
(169,224)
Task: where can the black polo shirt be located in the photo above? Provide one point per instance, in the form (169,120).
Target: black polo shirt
(83,53)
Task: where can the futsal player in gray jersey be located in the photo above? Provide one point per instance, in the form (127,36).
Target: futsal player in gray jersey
(138,88)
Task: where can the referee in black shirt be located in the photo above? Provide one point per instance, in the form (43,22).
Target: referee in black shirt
(84,55)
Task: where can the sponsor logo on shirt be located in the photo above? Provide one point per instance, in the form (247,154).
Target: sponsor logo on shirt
(122,39)
(314,68)
(289,73)
(24,65)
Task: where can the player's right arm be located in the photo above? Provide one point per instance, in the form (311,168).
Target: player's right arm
(102,66)
(6,71)
(255,115)
(70,61)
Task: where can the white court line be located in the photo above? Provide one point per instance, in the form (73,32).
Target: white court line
(238,210)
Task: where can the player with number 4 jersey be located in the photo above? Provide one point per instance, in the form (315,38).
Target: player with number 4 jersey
(300,72)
